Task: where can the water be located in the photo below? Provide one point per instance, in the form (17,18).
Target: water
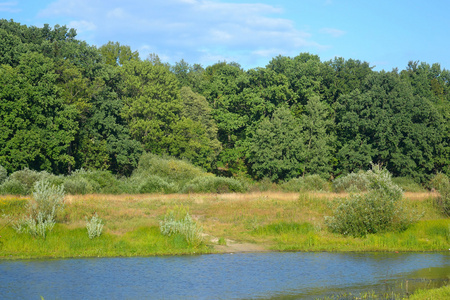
(221,276)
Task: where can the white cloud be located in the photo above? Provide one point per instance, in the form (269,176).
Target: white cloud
(82,26)
(333,32)
(9,7)
(186,27)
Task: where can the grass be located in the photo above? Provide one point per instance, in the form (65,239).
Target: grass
(279,221)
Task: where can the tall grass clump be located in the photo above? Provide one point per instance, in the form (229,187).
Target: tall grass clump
(380,209)
(179,221)
(308,183)
(47,202)
(94,226)
(213,184)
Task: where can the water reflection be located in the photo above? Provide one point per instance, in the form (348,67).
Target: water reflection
(226,276)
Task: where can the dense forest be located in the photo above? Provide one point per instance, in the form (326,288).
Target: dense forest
(67,105)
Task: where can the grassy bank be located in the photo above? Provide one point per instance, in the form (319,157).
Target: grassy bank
(276,221)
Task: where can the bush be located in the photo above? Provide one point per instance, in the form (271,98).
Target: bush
(443,201)
(155,184)
(264,185)
(353,182)
(179,221)
(13,187)
(76,185)
(94,226)
(48,201)
(305,184)
(3,174)
(437,181)
(168,168)
(378,210)
(21,182)
(212,184)
(408,184)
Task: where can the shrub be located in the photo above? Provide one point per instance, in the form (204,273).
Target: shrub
(264,185)
(155,184)
(168,168)
(408,184)
(213,184)
(13,187)
(47,201)
(94,226)
(437,181)
(29,177)
(443,201)
(353,182)
(3,174)
(305,184)
(179,221)
(77,185)
(378,210)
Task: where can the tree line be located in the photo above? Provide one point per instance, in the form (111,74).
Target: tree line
(67,105)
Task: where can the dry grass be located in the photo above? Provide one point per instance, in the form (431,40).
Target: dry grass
(232,216)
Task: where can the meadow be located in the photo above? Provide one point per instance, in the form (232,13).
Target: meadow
(271,221)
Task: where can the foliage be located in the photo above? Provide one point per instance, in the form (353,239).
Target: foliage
(317,136)
(352,182)
(213,184)
(408,184)
(66,105)
(168,168)
(94,226)
(179,221)
(48,201)
(307,183)
(155,184)
(443,201)
(3,174)
(378,210)
(277,148)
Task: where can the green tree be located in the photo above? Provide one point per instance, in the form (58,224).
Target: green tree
(116,54)
(37,126)
(388,125)
(318,137)
(277,148)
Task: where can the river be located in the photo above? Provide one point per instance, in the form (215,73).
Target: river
(274,275)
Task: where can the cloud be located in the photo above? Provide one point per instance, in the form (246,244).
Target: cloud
(186,27)
(332,31)
(9,7)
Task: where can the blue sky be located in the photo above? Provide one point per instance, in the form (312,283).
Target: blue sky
(387,34)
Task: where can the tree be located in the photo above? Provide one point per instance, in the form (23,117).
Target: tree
(318,137)
(37,126)
(388,125)
(277,148)
(151,103)
(116,54)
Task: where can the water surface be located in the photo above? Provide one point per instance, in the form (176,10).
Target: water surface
(221,276)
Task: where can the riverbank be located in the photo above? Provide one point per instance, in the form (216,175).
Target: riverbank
(262,221)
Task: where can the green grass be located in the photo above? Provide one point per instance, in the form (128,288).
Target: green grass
(65,242)
(432,294)
(278,221)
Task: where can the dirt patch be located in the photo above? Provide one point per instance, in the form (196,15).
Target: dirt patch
(232,246)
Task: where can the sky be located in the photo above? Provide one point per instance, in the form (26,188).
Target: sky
(385,33)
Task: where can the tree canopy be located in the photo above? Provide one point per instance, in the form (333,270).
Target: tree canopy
(66,105)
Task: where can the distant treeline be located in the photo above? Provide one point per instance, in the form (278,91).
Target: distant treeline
(67,105)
